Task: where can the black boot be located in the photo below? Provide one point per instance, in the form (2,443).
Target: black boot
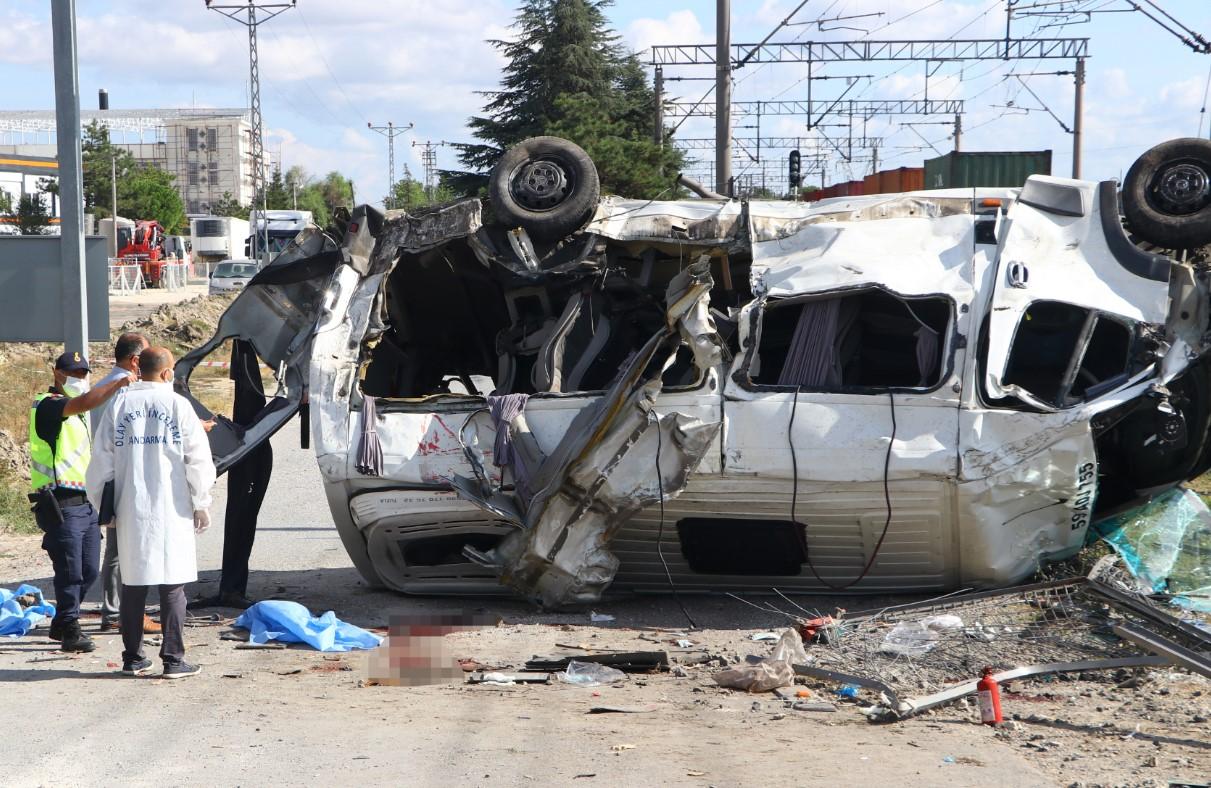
(75,640)
(56,629)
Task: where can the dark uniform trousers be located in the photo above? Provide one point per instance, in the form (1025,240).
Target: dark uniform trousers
(74,547)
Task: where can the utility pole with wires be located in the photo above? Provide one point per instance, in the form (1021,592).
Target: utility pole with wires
(428,160)
(390,131)
(251,14)
(723,96)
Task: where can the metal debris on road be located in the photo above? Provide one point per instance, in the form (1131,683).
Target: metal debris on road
(622,709)
(1078,624)
(498,677)
(626,661)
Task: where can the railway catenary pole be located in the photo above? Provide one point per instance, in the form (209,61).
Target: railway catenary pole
(1078,116)
(723,96)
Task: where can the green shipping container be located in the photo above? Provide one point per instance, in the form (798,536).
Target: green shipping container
(964,170)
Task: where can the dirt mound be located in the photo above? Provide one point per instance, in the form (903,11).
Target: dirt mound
(182,326)
(14,456)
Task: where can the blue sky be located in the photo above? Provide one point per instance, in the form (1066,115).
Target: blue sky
(327,68)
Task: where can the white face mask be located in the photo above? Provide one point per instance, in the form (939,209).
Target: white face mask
(75,387)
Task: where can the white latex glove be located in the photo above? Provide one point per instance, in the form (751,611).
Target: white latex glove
(201,521)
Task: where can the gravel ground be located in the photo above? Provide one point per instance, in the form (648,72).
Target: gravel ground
(299,717)
(125,308)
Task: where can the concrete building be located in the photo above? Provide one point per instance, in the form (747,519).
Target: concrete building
(208,151)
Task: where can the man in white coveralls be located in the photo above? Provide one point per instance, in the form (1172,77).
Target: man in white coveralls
(154,448)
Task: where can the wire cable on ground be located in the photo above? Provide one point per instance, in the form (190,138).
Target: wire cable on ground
(660,529)
(790,437)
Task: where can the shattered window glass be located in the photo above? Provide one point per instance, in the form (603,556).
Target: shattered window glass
(1064,354)
(867,339)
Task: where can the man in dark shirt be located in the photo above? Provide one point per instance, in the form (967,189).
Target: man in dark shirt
(60,448)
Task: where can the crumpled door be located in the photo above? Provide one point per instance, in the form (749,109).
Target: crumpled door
(276,313)
(1065,245)
(618,455)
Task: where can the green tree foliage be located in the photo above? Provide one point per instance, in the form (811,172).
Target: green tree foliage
(410,194)
(629,165)
(148,193)
(337,191)
(31,215)
(229,206)
(298,190)
(566,75)
(277,193)
(144,192)
(100,157)
(6,203)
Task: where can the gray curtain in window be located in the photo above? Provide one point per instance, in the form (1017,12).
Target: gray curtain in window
(812,359)
(505,410)
(370,450)
(929,347)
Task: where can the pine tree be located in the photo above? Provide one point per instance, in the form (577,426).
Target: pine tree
(568,76)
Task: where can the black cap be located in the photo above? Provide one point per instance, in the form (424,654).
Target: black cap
(71,362)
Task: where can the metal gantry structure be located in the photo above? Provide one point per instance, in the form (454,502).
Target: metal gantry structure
(727,57)
(816,110)
(390,131)
(252,14)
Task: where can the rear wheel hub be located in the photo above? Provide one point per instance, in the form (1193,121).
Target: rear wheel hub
(1181,189)
(541,185)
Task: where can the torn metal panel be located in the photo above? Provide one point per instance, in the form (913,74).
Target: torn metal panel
(276,313)
(412,233)
(618,456)
(695,221)
(909,255)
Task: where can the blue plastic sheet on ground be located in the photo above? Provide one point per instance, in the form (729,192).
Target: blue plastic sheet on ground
(1166,543)
(15,621)
(290,622)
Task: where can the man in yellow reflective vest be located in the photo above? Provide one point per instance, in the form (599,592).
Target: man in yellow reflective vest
(60,447)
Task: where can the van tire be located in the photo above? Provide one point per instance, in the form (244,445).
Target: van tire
(1167,194)
(546,185)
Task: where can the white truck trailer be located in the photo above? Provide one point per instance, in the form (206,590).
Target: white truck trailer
(217,238)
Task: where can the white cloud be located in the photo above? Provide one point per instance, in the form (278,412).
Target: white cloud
(679,27)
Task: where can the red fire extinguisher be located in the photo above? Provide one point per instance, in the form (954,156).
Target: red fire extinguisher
(989,694)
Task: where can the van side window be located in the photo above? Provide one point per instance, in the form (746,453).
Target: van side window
(1064,354)
(864,340)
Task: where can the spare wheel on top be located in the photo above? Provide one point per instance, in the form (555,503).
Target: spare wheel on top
(546,185)
(1167,194)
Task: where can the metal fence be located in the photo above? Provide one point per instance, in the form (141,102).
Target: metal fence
(124,278)
(200,272)
(174,276)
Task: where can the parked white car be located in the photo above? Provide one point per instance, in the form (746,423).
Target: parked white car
(232,275)
(906,392)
